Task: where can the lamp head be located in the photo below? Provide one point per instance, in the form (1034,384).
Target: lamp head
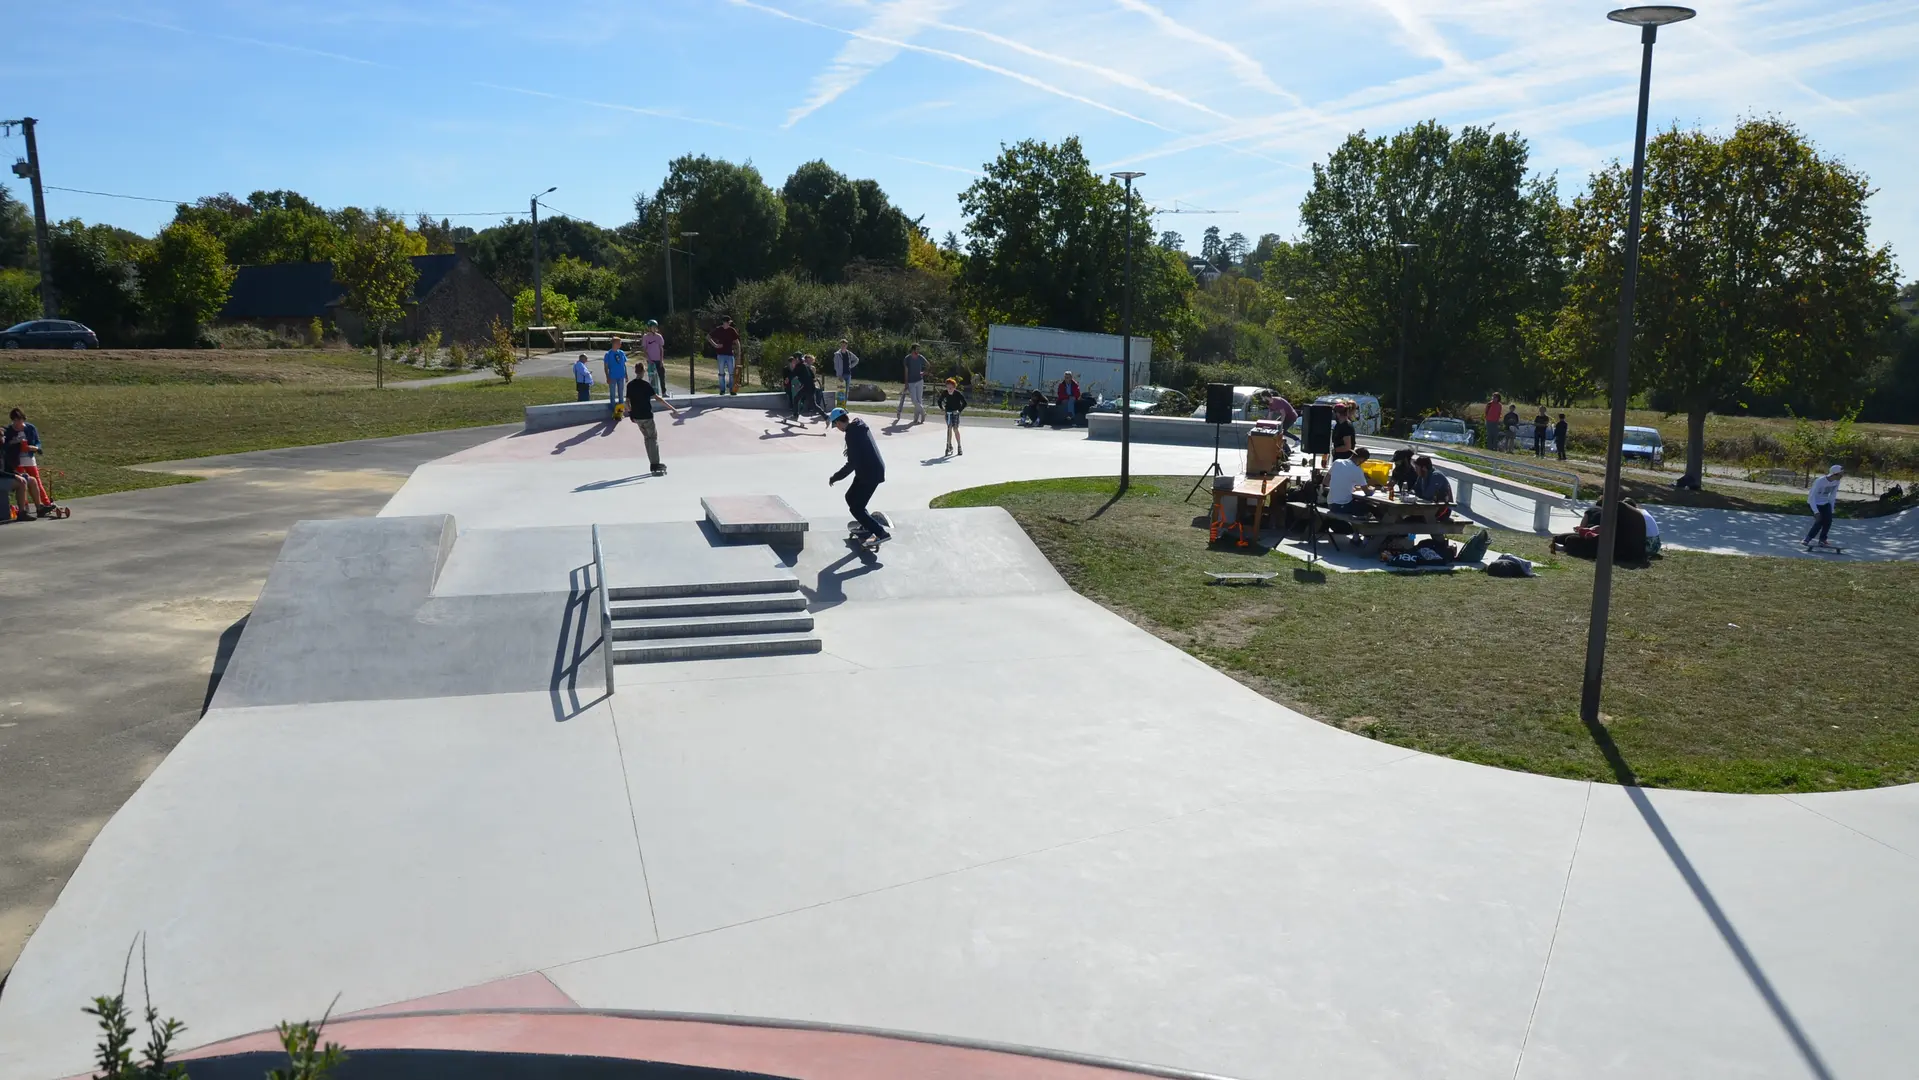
(1127,175)
(1651,15)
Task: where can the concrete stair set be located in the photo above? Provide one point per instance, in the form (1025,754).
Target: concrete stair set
(763,615)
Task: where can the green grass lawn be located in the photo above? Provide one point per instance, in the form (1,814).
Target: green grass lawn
(93,430)
(1724,673)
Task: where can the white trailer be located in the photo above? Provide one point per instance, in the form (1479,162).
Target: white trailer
(1035,357)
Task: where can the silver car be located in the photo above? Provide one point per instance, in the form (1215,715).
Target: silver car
(1445,430)
(1643,444)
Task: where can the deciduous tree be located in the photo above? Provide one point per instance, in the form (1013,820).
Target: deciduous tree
(1755,272)
(737,216)
(375,270)
(94,270)
(1484,256)
(184,278)
(1045,246)
(822,221)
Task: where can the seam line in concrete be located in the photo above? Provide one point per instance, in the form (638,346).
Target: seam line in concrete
(1849,828)
(633,816)
(1552,942)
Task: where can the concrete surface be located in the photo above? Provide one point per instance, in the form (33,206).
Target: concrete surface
(753,516)
(131,603)
(988,809)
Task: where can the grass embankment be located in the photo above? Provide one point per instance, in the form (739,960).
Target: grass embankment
(1723,673)
(98,413)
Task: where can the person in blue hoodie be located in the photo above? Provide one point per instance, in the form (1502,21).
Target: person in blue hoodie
(864,464)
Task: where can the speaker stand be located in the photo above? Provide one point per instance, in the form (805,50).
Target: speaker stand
(1211,470)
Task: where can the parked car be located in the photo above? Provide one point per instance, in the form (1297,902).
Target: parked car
(48,334)
(1644,444)
(1242,400)
(1144,399)
(1445,430)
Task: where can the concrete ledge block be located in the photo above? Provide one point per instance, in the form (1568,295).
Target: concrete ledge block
(566,414)
(1173,430)
(765,517)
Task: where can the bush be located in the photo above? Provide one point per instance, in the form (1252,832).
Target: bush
(499,354)
(456,356)
(19,296)
(430,347)
(246,337)
(316,331)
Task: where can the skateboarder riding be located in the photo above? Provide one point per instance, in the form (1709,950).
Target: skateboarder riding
(868,471)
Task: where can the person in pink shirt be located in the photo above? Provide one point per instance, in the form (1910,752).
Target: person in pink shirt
(1494,409)
(653,344)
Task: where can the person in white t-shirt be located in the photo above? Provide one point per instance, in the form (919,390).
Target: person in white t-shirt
(1652,526)
(1345,477)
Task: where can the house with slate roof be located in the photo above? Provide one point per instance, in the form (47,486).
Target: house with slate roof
(451,296)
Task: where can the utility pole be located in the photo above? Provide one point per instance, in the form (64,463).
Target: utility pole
(29,170)
(539,306)
(666,250)
(1126,346)
(692,309)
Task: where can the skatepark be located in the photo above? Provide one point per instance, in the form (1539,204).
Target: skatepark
(973,804)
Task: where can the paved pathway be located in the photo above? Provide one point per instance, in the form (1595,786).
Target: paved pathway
(117,616)
(990,809)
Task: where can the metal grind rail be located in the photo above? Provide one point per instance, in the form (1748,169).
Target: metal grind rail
(606,609)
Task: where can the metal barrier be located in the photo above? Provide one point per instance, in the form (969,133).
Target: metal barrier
(1489,464)
(606,609)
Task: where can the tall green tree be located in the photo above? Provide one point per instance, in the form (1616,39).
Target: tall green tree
(95,272)
(184,279)
(375,269)
(281,235)
(1172,241)
(1755,274)
(1046,246)
(1212,248)
(737,216)
(822,221)
(16,234)
(881,235)
(1485,255)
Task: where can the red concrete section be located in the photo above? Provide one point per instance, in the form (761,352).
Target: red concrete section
(710,432)
(788,1052)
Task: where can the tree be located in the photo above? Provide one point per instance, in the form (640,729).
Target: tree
(556,307)
(594,289)
(822,221)
(1045,246)
(1894,380)
(16,234)
(1755,273)
(375,270)
(1236,248)
(1212,248)
(505,251)
(442,236)
(882,230)
(19,296)
(184,278)
(1485,255)
(1255,265)
(281,235)
(1172,241)
(737,216)
(94,271)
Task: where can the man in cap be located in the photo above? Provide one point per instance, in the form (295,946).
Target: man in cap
(868,471)
(1822,497)
(653,344)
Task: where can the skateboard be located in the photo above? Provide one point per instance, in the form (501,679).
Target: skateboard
(659,470)
(856,533)
(1824,549)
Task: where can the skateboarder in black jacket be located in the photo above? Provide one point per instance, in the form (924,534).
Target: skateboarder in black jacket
(868,471)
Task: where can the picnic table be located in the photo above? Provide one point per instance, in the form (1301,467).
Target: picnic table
(1373,514)
(1264,491)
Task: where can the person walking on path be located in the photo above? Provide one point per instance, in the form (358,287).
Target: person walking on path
(1539,432)
(644,395)
(615,364)
(1068,395)
(1559,436)
(653,344)
(726,349)
(582,379)
(844,361)
(868,471)
(1822,497)
(1494,410)
(819,384)
(953,403)
(914,388)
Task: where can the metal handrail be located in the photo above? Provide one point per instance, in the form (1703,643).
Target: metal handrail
(1487,463)
(606,609)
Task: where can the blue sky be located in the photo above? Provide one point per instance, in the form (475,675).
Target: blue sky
(448,106)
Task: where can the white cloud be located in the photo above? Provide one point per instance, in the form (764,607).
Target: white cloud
(873,46)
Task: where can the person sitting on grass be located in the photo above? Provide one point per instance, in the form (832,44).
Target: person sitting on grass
(1652,527)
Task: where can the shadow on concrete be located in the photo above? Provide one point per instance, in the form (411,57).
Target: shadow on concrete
(943,459)
(829,590)
(582,600)
(602,485)
(1629,780)
(229,640)
(602,430)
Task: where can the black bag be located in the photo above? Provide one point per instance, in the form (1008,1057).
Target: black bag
(1475,548)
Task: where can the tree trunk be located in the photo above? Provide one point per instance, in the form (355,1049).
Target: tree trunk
(1695,449)
(379,358)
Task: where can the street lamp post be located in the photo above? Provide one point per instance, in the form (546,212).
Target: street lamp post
(1126,345)
(1649,20)
(1399,388)
(539,297)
